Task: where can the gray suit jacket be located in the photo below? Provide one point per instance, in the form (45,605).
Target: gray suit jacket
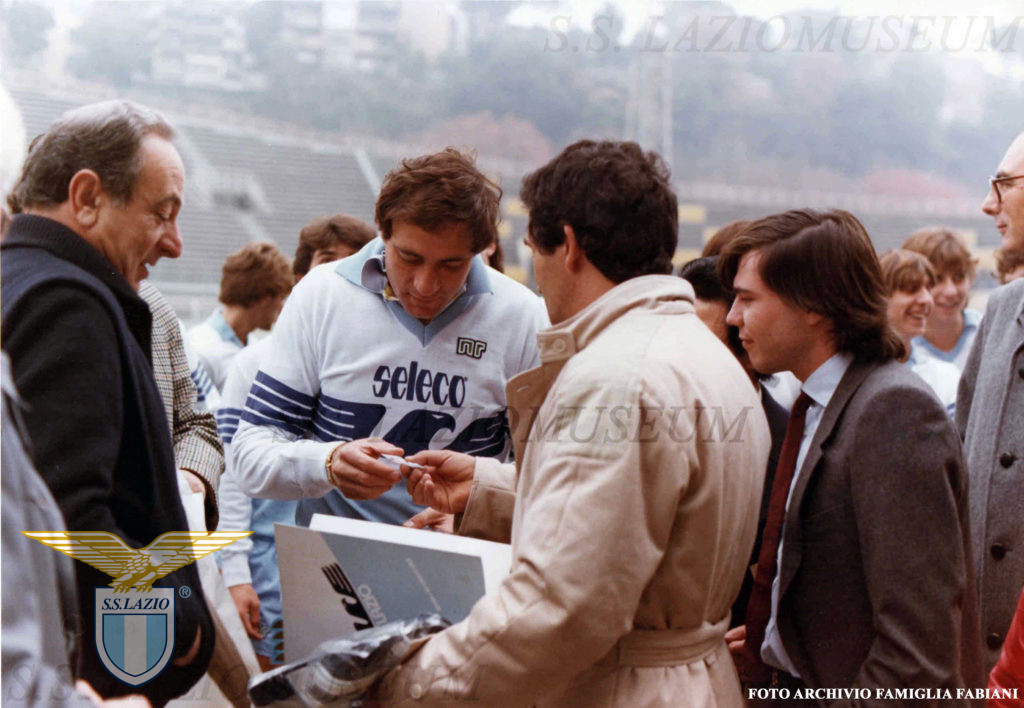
(874,576)
(990,414)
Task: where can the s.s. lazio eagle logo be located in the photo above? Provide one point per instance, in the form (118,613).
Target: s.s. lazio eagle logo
(134,620)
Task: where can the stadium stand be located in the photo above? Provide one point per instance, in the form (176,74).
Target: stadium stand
(249,181)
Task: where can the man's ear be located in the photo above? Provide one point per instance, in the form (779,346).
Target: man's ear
(574,256)
(814,319)
(85,195)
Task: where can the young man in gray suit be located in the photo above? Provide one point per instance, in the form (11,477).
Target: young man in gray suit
(990,414)
(864,579)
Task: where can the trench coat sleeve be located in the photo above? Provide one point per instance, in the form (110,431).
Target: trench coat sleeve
(492,500)
(912,553)
(596,517)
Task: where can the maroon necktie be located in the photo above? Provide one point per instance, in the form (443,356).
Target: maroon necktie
(759,606)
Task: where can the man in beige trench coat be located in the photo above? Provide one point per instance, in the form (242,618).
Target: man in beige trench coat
(640,451)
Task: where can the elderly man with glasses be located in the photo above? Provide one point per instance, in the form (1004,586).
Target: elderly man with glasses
(1005,200)
(990,416)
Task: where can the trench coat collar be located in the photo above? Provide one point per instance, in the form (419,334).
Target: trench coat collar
(665,293)
(526,392)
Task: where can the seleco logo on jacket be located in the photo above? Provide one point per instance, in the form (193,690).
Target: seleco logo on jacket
(420,385)
(134,620)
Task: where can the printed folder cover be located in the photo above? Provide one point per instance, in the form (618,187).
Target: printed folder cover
(342,575)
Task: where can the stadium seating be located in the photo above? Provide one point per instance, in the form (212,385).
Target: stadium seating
(291,182)
(246,184)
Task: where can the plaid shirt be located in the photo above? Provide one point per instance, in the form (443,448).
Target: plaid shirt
(193,429)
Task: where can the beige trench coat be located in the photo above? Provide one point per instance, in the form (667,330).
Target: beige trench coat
(641,448)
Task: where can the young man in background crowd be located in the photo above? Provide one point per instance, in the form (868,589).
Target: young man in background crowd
(254,283)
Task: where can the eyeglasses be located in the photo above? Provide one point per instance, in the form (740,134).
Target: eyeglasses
(996,181)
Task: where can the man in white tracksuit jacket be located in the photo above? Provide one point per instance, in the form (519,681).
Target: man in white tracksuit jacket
(404,346)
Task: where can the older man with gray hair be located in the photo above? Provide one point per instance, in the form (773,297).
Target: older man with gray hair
(990,416)
(96,205)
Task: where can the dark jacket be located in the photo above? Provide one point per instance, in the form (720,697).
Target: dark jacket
(778,418)
(79,341)
(876,588)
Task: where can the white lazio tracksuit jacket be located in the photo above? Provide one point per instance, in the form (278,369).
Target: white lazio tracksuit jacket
(348,362)
(216,344)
